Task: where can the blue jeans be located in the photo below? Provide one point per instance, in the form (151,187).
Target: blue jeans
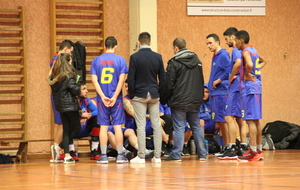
(190,114)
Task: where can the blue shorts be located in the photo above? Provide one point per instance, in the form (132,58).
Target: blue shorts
(112,129)
(130,125)
(111,115)
(56,114)
(209,127)
(149,129)
(218,108)
(252,107)
(233,104)
(187,127)
(85,132)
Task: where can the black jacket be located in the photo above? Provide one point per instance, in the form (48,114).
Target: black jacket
(64,94)
(184,80)
(145,68)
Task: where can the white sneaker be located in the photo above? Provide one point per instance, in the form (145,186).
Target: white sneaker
(137,160)
(156,160)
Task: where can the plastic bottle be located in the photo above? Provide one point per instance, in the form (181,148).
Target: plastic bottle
(206,145)
(193,147)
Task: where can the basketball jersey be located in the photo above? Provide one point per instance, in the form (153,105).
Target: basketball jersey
(108,67)
(255,60)
(164,109)
(236,54)
(251,87)
(53,60)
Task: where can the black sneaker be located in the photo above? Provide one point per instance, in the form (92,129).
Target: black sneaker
(69,161)
(229,154)
(223,150)
(95,154)
(74,155)
(171,159)
(185,151)
(242,150)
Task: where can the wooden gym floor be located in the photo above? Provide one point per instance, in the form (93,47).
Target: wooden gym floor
(279,170)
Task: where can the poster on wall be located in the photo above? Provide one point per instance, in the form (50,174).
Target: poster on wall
(227,7)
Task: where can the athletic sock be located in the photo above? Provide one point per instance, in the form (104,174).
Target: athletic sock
(103,149)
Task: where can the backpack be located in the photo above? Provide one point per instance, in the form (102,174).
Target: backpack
(267,142)
(6,159)
(79,60)
(213,145)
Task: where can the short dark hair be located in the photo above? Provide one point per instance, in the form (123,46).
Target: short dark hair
(230,31)
(110,42)
(81,83)
(66,43)
(144,38)
(180,43)
(214,36)
(243,35)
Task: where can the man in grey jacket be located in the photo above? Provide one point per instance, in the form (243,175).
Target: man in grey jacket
(184,94)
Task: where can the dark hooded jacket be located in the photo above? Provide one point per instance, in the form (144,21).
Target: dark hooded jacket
(64,94)
(184,80)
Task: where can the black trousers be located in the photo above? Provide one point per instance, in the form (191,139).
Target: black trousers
(71,128)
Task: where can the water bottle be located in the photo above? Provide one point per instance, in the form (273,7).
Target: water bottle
(193,147)
(206,145)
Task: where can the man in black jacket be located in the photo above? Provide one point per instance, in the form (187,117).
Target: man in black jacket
(184,94)
(146,79)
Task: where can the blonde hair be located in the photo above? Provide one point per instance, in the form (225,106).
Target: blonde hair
(62,67)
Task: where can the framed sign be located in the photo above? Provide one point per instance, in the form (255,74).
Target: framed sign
(227,7)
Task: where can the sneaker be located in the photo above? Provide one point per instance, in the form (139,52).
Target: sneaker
(229,154)
(261,154)
(171,159)
(156,160)
(249,157)
(137,160)
(149,154)
(221,152)
(69,160)
(121,159)
(185,151)
(74,155)
(202,159)
(128,154)
(103,159)
(55,153)
(242,150)
(95,154)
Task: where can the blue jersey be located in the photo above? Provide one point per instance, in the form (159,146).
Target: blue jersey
(108,67)
(53,60)
(164,109)
(88,106)
(236,54)
(220,68)
(205,110)
(251,87)
(255,60)
(128,117)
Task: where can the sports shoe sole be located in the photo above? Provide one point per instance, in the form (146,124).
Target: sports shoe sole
(102,162)
(121,161)
(228,158)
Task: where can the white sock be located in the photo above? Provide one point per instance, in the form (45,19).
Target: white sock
(136,147)
(253,148)
(71,147)
(95,145)
(259,147)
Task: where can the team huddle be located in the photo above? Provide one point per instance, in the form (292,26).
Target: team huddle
(167,106)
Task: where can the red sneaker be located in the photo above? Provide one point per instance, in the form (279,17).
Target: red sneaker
(95,154)
(247,157)
(261,154)
(74,155)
